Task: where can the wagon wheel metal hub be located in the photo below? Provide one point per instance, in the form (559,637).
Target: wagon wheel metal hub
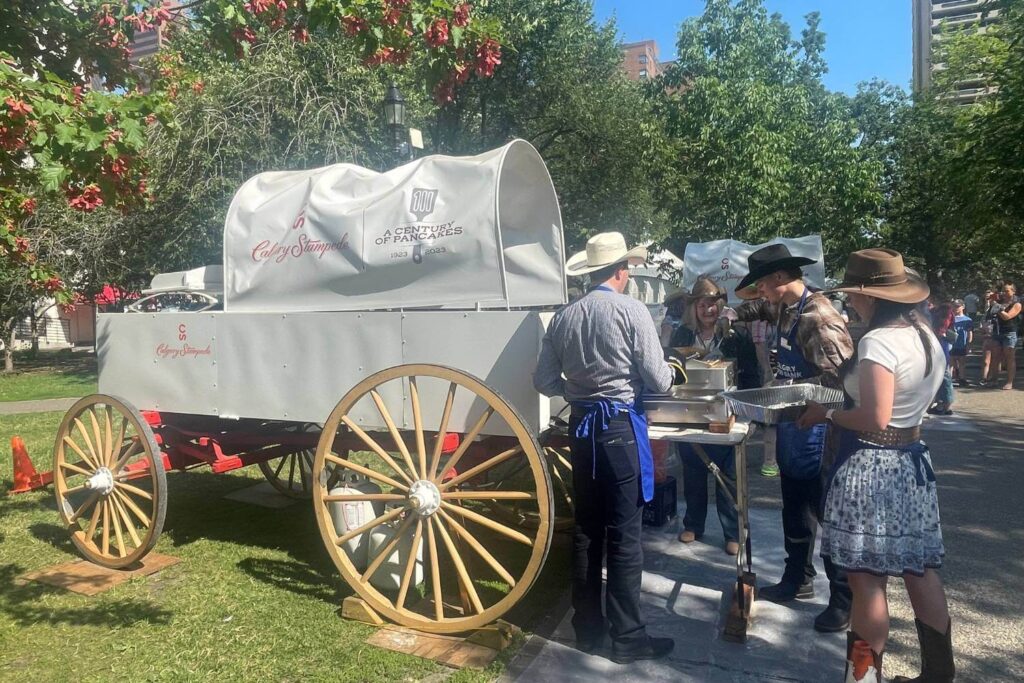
(102,480)
(424,497)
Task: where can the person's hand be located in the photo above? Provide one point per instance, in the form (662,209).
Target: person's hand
(813,414)
(729,314)
(678,372)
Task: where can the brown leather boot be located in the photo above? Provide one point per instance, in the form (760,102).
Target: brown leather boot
(936,655)
(863,665)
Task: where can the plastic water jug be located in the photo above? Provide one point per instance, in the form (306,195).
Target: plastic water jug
(349,515)
(389,576)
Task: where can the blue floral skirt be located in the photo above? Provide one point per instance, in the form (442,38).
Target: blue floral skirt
(882,513)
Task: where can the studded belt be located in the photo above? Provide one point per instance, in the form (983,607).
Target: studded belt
(892,437)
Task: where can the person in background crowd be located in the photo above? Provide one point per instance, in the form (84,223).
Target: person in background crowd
(881,515)
(1004,316)
(971,302)
(601,353)
(942,326)
(701,330)
(963,325)
(674,304)
(991,360)
(812,343)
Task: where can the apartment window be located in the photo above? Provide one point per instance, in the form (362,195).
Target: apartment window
(643,73)
(643,59)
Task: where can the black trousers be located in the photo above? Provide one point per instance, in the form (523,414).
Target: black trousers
(609,511)
(801,499)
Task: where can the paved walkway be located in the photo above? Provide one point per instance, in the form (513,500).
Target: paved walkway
(42,406)
(977,457)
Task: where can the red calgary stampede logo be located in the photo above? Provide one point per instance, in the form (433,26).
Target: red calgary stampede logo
(304,245)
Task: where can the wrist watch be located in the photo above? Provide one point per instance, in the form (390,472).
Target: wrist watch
(829,413)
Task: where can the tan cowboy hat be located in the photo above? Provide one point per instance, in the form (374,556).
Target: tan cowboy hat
(705,287)
(604,249)
(880,273)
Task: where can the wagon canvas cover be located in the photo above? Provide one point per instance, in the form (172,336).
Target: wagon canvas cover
(440,231)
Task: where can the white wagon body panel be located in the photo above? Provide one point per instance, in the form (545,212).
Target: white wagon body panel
(296,366)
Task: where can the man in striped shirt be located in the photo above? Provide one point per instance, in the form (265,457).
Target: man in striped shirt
(602,353)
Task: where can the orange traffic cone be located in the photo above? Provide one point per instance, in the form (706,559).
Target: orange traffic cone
(25,476)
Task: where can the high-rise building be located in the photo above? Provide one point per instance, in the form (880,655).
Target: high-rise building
(640,60)
(933,21)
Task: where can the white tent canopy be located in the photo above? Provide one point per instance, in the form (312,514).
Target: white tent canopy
(438,232)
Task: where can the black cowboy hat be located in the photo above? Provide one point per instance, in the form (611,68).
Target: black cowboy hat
(768,260)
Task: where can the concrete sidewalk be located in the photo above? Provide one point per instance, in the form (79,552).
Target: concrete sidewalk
(41,406)
(686,589)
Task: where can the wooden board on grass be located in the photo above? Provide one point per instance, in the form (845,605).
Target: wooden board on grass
(87,578)
(448,650)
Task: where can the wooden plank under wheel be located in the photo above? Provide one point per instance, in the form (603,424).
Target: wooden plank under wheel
(437,505)
(109,481)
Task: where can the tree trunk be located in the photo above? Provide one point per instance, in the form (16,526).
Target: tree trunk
(9,328)
(34,326)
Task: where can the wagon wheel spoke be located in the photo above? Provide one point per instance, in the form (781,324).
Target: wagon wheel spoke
(487,522)
(473,543)
(362,497)
(92,459)
(106,528)
(481,468)
(392,429)
(75,468)
(417,417)
(118,445)
(460,567)
(385,552)
(435,573)
(467,441)
(134,490)
(367,472)
(488,495)
(94,521)
(131,450)
(381,453)
(386,517)
(126,520)
(442,431)
(131,505)
(410,565)
(81,510)
(100,451)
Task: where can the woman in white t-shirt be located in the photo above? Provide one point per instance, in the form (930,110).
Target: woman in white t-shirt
(881,515)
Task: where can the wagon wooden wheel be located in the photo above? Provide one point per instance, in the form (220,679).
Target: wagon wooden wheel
(475,568)
(292,474)
(109,480)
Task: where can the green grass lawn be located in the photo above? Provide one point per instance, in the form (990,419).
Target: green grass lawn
(255,596)
(49,374)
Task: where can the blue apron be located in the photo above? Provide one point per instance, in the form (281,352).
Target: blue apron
(799,450)
(595,420)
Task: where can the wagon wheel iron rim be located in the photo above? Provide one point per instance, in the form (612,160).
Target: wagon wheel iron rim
(109,481)
(438,516)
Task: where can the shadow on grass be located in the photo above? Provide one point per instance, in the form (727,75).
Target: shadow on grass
(294,577)
(24,603)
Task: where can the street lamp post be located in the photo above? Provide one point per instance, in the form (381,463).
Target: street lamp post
(394,118)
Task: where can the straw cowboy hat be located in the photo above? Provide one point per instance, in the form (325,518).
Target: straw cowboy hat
(768,260)
(704,286)
(604,249)
(880,273)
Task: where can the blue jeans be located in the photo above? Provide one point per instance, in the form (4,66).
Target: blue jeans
(945,395)
(695,489)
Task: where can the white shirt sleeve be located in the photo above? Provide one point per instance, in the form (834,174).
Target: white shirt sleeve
(879,349)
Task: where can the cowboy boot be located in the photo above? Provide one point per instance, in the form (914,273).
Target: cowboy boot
(936,655)
(863,665)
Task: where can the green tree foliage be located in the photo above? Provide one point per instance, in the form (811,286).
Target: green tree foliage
(761,148)
(563,89)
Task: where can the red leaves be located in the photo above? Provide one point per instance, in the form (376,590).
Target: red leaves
(53,284)
(461,18)
(86,199)
(300,34)
(353,25)
(12,138)
(20,245)
(198,86)
(18,109)
(28,205)
(436,34)
(488,56)
(258,6)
